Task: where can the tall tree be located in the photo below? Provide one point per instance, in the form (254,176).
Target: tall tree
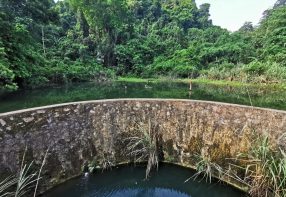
(271,35)
(204,15)
(279,3)
(246,27)
(108,19)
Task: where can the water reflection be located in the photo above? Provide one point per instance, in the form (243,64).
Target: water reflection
(128,181)
(257,96)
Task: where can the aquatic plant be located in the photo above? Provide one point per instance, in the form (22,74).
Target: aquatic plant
(143,145)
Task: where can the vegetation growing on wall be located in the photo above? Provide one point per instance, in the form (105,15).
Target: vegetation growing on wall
(43,42)
(262,169)
(143,145)
(25,182)
(265,169)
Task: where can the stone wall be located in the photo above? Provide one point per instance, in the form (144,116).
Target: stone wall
(79,133)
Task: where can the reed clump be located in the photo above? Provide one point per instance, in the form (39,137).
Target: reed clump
(206,168)
(262,169)
(143,146)
(265,169)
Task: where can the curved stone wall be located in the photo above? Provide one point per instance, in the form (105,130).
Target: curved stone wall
(79,133)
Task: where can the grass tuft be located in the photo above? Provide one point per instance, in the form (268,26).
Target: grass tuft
(143,146)
(265,170)
(19,185)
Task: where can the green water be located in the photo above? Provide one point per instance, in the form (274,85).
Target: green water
(126,181)
(256,96)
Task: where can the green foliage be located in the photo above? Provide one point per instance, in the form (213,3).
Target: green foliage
(180,64)
(71,38)
(6,75)
(256,71)
(272,35)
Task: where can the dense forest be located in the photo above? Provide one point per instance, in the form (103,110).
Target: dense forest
(43,42)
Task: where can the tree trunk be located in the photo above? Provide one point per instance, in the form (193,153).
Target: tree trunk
(43,41)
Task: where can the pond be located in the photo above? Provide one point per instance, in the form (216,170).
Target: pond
(127,181)
(256,96)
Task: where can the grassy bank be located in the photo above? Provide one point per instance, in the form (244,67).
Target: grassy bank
(201,81)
